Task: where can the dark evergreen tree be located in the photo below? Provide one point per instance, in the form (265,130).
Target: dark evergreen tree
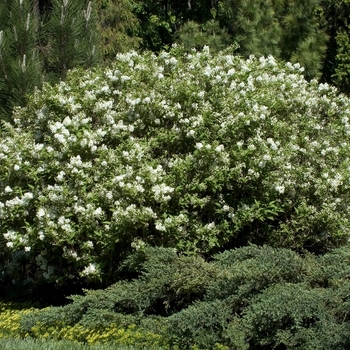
(286,29)
(336,70)
(41,40)
(162,20)
(20,64)
(118,26)
(254,25)
(70,37)
(194,35)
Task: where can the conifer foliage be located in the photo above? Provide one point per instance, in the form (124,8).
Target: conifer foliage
(20,63)
(38,46)
(286,29)
(248,298)
(118,27)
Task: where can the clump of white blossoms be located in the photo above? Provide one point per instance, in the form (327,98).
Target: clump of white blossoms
(184,150)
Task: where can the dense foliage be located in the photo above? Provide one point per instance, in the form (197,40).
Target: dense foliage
(336,24)
(194,151)
(248,298)
(191,151)
(118,27)
(36,46)
(41,40)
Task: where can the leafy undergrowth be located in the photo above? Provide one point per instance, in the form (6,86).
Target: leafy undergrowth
(41,344)
(248,298)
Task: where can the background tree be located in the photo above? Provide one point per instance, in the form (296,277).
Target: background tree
(285,29)
(162,19)
(20,64)
(41,41)
(69,37)
(336,70)
(118,26)
(194,35)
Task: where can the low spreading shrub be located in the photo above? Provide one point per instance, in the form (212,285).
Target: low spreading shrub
(12,316)
(247,298)
(45,344)
(10,319)
(190,151)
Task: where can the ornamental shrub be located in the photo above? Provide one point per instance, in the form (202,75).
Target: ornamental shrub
(247,298)
(11,315)
(193,151)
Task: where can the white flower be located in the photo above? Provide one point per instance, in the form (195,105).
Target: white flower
(16,167)
(89,270)
(208,71)
(60,138)
(15,201)
(89,244)
(8,189)
(173,60)
(211,225)
(160,192)
(160,227)
(191,133)
(137,244)
(10,235)
(28,196)
(27,249)
(9,244)
(98,212)
(40,213)
(124,78)
(280,188)
(67,121)
(219,148)
(199,145)
(61,175)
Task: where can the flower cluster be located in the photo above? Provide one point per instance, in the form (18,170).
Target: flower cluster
(185,150)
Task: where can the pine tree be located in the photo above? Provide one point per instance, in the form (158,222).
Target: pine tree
(303,40)
(287,29)
(70,37)
(254,25)
(194,35)
(41,41)
(20,65)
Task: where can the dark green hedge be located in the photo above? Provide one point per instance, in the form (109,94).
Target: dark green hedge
(248,298)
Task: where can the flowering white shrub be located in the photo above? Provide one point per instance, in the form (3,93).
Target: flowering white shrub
(191,151)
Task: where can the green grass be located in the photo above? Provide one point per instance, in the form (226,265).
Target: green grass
(34,344)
